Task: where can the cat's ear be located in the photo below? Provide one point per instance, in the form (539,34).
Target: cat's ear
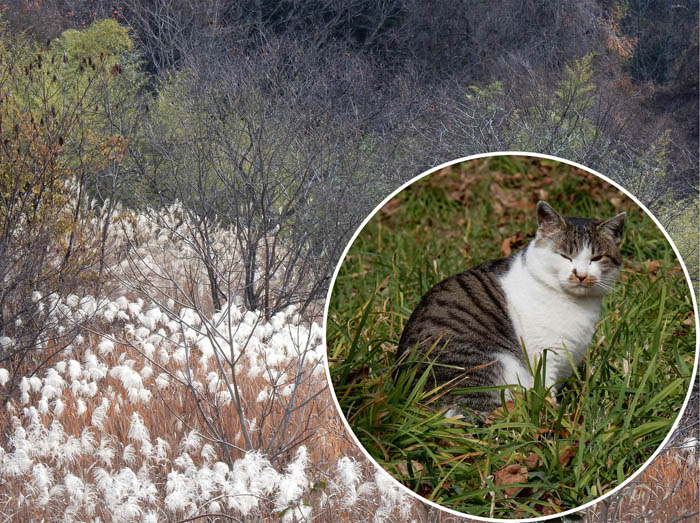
(547,218)
(613,225)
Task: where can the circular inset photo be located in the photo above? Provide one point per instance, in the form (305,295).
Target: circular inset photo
(511,336)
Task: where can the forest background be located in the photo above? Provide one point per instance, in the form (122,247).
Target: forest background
(270,130)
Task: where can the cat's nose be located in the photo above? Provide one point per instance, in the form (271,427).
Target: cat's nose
(581,277)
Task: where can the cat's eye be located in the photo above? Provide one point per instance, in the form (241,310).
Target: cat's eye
(564,256)
(597,258)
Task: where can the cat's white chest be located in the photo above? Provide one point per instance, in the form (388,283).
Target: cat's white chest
(545,317)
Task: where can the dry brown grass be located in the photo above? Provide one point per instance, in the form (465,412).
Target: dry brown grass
(666,491)
(170,415)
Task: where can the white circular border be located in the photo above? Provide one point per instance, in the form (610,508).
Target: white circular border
(535,155)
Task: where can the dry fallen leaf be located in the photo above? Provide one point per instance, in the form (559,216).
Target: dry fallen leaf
(509,475)
(512,242)
(508,197)
(616,203)
(403,467)
(505,247)
(498,177)
(566,453)
(652,268)
(532,461)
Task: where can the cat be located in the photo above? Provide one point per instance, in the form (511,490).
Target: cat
(475,325)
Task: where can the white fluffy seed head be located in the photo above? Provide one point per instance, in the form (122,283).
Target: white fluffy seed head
(137,429)
(4,377)
(105,347)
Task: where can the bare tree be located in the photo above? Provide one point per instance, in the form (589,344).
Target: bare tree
(263,151)
(255,180)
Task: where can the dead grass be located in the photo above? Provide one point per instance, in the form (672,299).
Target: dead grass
(170,415)
(667,490)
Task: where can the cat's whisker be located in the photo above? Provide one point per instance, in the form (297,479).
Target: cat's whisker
(607,288)
(611,287)
(604,285)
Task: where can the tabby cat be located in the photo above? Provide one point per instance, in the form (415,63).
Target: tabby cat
(545,296)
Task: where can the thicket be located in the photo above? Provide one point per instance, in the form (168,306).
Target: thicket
(367,95)
(54,137)
(286,122)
